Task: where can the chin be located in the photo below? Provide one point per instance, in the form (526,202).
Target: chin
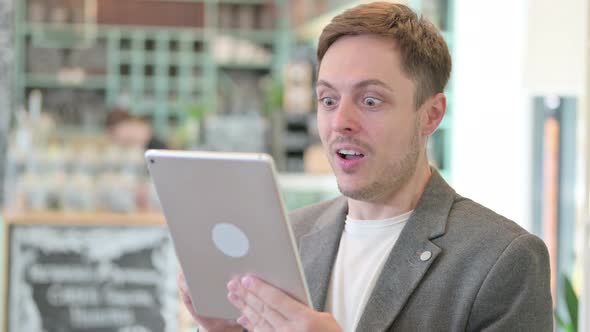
(351,190)
(366,192)
(358,195)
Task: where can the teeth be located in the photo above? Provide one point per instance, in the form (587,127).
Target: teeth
(349,152)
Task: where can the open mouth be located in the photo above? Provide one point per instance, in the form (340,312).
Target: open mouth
(349,154)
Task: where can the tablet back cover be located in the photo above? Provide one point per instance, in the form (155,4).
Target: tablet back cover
(226,218)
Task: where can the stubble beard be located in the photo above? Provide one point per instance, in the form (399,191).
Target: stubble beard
(392,178)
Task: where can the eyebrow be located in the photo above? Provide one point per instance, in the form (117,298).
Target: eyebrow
(361,84)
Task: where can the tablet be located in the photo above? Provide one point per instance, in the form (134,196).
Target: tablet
(226,218)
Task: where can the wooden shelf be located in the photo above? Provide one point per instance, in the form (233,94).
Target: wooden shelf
(81,219)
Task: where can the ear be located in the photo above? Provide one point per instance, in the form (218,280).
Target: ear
(433,114)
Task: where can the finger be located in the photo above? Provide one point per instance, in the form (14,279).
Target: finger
(188,302)
(257,311)
(265,310)
(273,297)
(181,282)
(240,297)
(261,327)
(184,294)
(252,321)
(234,286)
(265,328)
(236,301)
(238,292)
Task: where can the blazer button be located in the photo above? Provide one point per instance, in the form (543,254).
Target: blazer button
(425,256)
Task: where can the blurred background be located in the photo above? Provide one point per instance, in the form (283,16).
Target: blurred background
(86,86)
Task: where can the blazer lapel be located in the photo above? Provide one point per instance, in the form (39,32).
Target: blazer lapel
(318,250)
(404,269)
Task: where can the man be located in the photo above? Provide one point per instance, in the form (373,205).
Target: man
(128,130)
(401,251)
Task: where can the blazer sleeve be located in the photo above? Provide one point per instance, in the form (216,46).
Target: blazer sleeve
(516,293)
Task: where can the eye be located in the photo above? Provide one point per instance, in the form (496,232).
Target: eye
(371,101)
(328,101)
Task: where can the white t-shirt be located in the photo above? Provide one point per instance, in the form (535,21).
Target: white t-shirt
(364,248)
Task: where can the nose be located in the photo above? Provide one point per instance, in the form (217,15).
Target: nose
(346,118)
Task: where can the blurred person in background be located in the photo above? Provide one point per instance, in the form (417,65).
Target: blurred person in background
(128,130)
(400,250)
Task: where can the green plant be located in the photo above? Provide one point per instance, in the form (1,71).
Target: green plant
(276,94)
(195,111)
(572,308)
(273,96)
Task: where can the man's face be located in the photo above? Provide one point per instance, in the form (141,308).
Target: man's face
(120,133)
(367,119)
(130,133)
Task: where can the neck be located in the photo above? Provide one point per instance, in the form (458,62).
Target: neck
(403,200)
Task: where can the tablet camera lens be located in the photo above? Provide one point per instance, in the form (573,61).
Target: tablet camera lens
(151,161)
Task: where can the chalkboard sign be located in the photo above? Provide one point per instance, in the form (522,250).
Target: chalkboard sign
(97,278)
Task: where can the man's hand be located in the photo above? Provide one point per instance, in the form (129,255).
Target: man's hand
(266,308)
(206,324)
